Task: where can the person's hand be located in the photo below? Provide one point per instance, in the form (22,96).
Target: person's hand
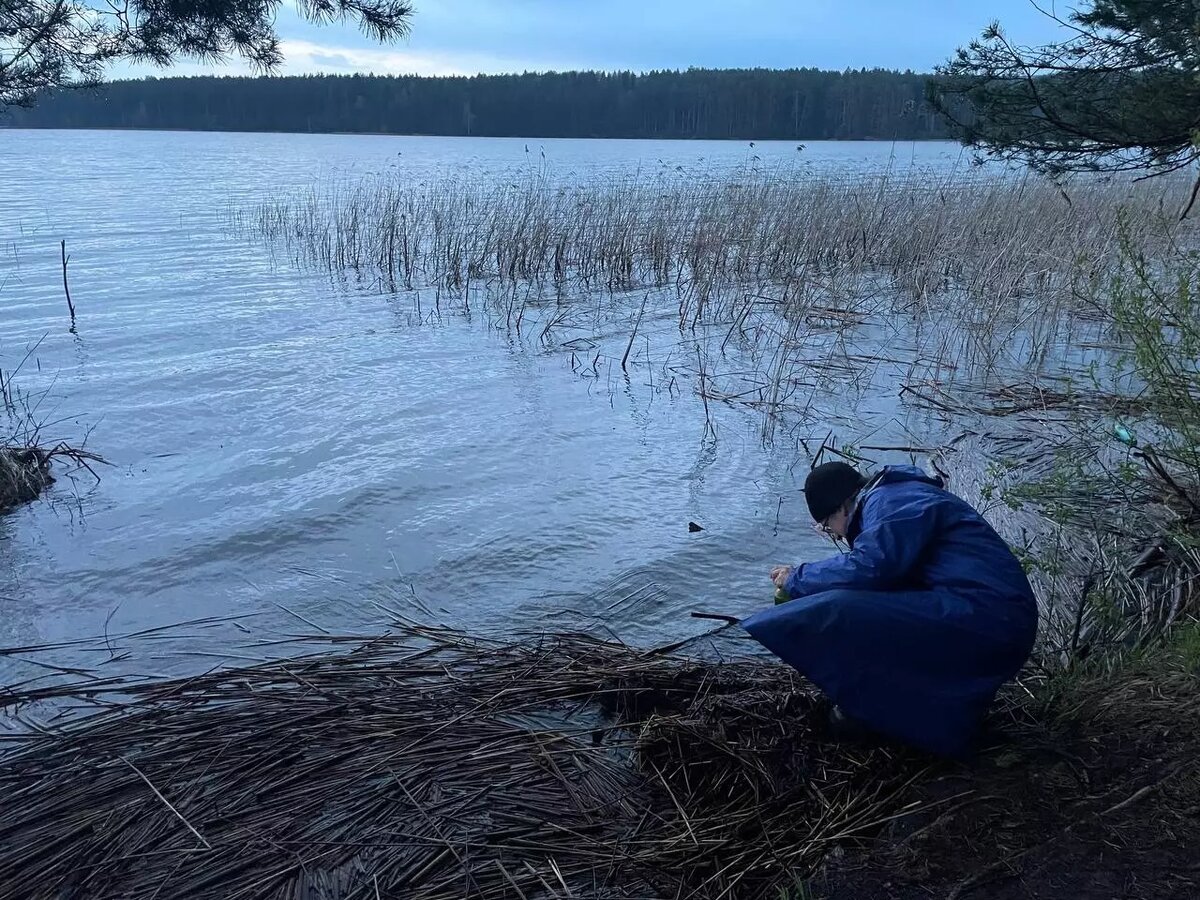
(780,575)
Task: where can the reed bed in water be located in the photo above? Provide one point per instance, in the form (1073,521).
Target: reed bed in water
(427,765)
(996,242)
(786,284)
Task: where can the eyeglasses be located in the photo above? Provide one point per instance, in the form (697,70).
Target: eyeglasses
(823,528)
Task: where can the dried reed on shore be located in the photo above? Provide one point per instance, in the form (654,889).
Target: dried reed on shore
(426,765)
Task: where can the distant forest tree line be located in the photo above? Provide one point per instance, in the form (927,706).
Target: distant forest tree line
(751,104)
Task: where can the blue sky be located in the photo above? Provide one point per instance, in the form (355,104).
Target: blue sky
(469,36)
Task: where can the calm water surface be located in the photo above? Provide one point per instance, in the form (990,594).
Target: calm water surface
(289,448)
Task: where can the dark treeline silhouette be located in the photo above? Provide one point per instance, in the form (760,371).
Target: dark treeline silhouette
(758,104)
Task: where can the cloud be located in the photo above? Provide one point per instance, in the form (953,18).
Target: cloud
(302,56)
(334,61)
(466,37)
(470,36)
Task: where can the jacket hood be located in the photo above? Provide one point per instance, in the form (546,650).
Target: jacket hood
(894,474)
(886,475)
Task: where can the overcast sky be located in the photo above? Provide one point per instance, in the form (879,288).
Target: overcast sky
(470,36)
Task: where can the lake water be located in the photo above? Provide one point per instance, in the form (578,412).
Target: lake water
(285,447)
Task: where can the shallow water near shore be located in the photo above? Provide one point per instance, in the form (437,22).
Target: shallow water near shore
(315,453)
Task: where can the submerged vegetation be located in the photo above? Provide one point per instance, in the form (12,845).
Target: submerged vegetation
(1003,303)
(24,474)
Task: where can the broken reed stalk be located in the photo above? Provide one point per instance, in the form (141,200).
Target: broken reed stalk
(1085,592)
(708,423)
(425,764)
(67,287)
(633,334)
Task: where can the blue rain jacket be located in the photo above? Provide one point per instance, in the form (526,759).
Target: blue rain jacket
(913,630)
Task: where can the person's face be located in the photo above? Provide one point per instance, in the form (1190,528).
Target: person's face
(836,525)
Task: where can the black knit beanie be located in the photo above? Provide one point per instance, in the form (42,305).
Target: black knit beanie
(830,485)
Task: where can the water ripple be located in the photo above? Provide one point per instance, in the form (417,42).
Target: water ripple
(265,423)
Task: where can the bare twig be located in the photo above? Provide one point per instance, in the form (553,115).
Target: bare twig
(67,287)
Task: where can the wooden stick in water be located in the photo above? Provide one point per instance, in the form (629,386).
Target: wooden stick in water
(66,287)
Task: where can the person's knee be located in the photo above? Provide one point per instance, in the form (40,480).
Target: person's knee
(841,596)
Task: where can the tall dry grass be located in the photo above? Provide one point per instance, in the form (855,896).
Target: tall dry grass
(812,281)
(993,247)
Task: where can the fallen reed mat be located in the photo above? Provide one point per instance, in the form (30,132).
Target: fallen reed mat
(425,764)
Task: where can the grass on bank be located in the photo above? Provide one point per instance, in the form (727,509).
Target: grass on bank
(426,764)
